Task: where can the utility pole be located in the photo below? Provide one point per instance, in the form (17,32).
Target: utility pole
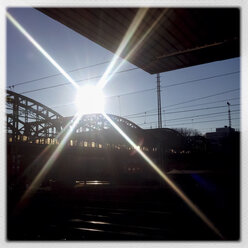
(229,115)
(159,102)
(164,118)
(161,161)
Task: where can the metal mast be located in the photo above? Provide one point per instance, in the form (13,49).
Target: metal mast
(159,102)
(229,115)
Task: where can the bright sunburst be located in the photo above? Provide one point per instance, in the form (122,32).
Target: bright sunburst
(89,100)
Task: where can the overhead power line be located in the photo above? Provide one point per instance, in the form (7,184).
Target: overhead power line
(201,79)
(196,117)
(153,110)
(106,62)
(216,114)
(99,76)
(182,111)
(132,93)
(204,97)
(63,84)
(198,122)
(207,103)
(189,123)
(192,100)
(58,74)
(224,100)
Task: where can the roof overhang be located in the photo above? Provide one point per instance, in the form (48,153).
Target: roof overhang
(158,39)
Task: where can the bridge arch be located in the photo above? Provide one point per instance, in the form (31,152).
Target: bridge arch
(33,122)
(97,122)
(29,120)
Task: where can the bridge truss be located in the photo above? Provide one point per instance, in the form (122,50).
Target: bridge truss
(32,122)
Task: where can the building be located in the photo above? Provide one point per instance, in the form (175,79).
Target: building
(220,133)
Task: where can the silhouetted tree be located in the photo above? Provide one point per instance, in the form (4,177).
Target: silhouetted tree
(187,132)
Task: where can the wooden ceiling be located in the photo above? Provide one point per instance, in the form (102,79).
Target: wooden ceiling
(165,39)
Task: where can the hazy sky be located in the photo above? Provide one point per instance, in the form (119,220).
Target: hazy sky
(72,51)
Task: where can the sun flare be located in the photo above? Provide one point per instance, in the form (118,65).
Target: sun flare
(90,100)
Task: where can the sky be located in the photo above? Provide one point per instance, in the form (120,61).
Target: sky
(71,50)
(131,94)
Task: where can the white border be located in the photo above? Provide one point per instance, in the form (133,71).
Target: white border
(243,5)
(121,3)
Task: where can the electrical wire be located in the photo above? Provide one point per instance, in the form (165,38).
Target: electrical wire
(171,107)
(207,103)
(57,74)
(190,123)
(135,68)
(202,115)
(63,84)
(182,111)
(192,100)
(204,121)
(201,79)
(152,110)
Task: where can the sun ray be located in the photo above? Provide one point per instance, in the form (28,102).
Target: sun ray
(128,35)
(41,49)
(46,150)
(165,178)
(102,83)
(45,169)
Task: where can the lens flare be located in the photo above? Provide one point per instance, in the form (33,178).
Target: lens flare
(67,130)
(45,169)
(89,100)
(165,178)
(128,35)
(103,81)
(40,48)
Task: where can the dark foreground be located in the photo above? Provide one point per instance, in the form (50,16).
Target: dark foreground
(122,212)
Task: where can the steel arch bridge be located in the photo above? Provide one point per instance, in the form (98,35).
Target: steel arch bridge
(97,122)
(94,148)
(29,120)
(32,122)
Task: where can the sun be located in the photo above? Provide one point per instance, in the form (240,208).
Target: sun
(90,100)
